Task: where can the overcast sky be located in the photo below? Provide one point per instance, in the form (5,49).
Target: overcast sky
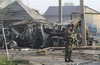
(42,5)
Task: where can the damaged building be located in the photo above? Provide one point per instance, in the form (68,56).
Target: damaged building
(22,22)
(17,11)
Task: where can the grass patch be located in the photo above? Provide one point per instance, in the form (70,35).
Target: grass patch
(4,61)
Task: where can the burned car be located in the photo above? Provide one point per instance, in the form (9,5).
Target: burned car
(24,35)
(27,35)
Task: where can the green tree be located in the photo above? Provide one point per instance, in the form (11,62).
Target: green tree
(69,4)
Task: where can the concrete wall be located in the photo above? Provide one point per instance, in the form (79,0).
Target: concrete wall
(93,18)
(89,18)
(96,20)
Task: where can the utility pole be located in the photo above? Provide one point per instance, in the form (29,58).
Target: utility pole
(5,41)
(60,11)
(83,23)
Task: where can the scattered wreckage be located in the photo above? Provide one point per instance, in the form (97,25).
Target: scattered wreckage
(23,34)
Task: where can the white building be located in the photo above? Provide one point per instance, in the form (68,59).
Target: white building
(4,3)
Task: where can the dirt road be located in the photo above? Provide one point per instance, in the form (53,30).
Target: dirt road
(55,57)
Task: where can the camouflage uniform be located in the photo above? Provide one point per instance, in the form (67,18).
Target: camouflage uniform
(68,45)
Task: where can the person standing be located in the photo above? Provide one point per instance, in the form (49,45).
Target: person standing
(68,35)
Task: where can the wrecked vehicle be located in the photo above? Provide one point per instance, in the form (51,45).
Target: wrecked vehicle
(56,38)
(25,35)
(37,36)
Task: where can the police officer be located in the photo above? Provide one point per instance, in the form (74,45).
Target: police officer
(68,34)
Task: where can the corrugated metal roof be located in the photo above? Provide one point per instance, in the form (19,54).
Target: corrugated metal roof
(66,10)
